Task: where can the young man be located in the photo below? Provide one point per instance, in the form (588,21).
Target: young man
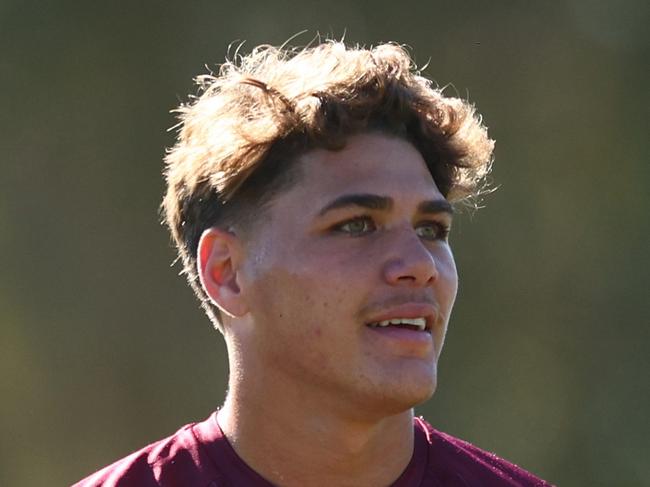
(309,195)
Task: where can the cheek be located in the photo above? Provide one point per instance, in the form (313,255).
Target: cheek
(304,290)
(448,277)
(299,323)
(296,303)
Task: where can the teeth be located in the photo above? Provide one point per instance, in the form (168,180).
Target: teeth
(419,322)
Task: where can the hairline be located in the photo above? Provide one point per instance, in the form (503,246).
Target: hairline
(288,180)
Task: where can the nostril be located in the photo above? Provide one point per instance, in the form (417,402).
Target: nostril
(406,278)
(416,271)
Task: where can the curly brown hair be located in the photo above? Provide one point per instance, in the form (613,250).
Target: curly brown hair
(239,139)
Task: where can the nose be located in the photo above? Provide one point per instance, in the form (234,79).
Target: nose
(410,262)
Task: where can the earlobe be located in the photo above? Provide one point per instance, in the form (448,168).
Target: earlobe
(218,259)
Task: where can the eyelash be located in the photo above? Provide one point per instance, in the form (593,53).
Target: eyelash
(442,230)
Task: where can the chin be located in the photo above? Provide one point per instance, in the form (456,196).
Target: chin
(394,406)
(416,394)
(397,398)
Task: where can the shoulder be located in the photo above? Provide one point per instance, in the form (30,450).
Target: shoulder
(171,461)
(458,462)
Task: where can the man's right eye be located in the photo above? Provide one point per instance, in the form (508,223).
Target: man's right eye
(356,226)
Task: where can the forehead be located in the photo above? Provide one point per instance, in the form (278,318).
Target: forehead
(369,163)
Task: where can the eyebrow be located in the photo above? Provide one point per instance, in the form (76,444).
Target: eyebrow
(376,202)
(436,206)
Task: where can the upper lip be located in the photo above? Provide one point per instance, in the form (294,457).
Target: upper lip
(425,310)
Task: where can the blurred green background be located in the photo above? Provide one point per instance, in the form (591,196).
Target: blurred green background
(103,347)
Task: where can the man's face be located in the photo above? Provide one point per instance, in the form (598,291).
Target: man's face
(360,239)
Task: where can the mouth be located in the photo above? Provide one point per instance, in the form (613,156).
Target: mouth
(414,324)
(413,316)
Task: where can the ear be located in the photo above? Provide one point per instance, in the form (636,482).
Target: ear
(218,258)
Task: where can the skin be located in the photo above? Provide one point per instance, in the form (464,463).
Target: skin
(316,397)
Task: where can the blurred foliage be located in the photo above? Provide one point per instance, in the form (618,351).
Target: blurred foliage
(104,349)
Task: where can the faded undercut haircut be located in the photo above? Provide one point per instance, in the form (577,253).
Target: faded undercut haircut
(239,138)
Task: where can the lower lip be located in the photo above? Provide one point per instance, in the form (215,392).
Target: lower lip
(406,335)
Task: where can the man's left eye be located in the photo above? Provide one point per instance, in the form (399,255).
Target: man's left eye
(432,231)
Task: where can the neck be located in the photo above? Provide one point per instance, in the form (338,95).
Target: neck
(292,439)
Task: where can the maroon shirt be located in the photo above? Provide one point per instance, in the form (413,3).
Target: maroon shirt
(199,455)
